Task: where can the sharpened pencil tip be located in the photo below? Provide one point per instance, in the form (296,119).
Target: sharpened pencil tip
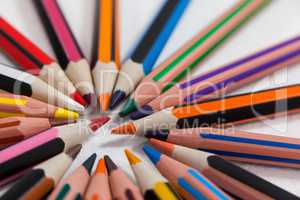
(129,107)
(98,122)
(110,165)
(60,122)
(78,98)
(74,151)
(152,153)
(133,159)
(61,113)
(104,100)
(89,163)
(141,112)
(125,129)
(101,168)
(90,99)
(116,98)
(164,147)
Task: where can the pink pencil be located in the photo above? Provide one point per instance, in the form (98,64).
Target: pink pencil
(66,47)
(44,145)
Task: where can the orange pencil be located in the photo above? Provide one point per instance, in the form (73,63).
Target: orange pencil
(226,111)
(107,64)
(100,178)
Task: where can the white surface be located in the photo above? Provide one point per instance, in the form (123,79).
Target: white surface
(276,22)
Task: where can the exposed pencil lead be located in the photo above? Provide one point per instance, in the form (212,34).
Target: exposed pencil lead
(74,151)
(110,165)
(89,163)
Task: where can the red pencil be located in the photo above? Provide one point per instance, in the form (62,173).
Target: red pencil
(33,60)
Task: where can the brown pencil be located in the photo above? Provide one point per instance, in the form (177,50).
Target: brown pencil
(15,129)
(121,187)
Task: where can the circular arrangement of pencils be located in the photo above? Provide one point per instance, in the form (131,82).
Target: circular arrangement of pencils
(50,106)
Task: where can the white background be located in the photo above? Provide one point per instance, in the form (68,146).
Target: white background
(278,21)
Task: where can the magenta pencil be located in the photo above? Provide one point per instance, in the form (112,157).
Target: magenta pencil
(66,47)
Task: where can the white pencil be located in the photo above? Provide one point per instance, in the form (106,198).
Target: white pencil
(22,83)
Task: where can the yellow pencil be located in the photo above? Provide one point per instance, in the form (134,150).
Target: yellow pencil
(16,105)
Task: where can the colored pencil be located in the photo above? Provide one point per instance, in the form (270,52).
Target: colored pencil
(153,185)
(226,111)
(66,47)
(236,145)
(22,83)
(15,129)
(121,186)
(228,77)
(33,60)
(225,174)
(148,49)
(190,183)
(41,180)
(73,187)
(191,54)
(107,66)
(99,178)
(40,147)
(16,105)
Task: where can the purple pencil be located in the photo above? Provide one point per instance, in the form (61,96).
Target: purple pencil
(227,78)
